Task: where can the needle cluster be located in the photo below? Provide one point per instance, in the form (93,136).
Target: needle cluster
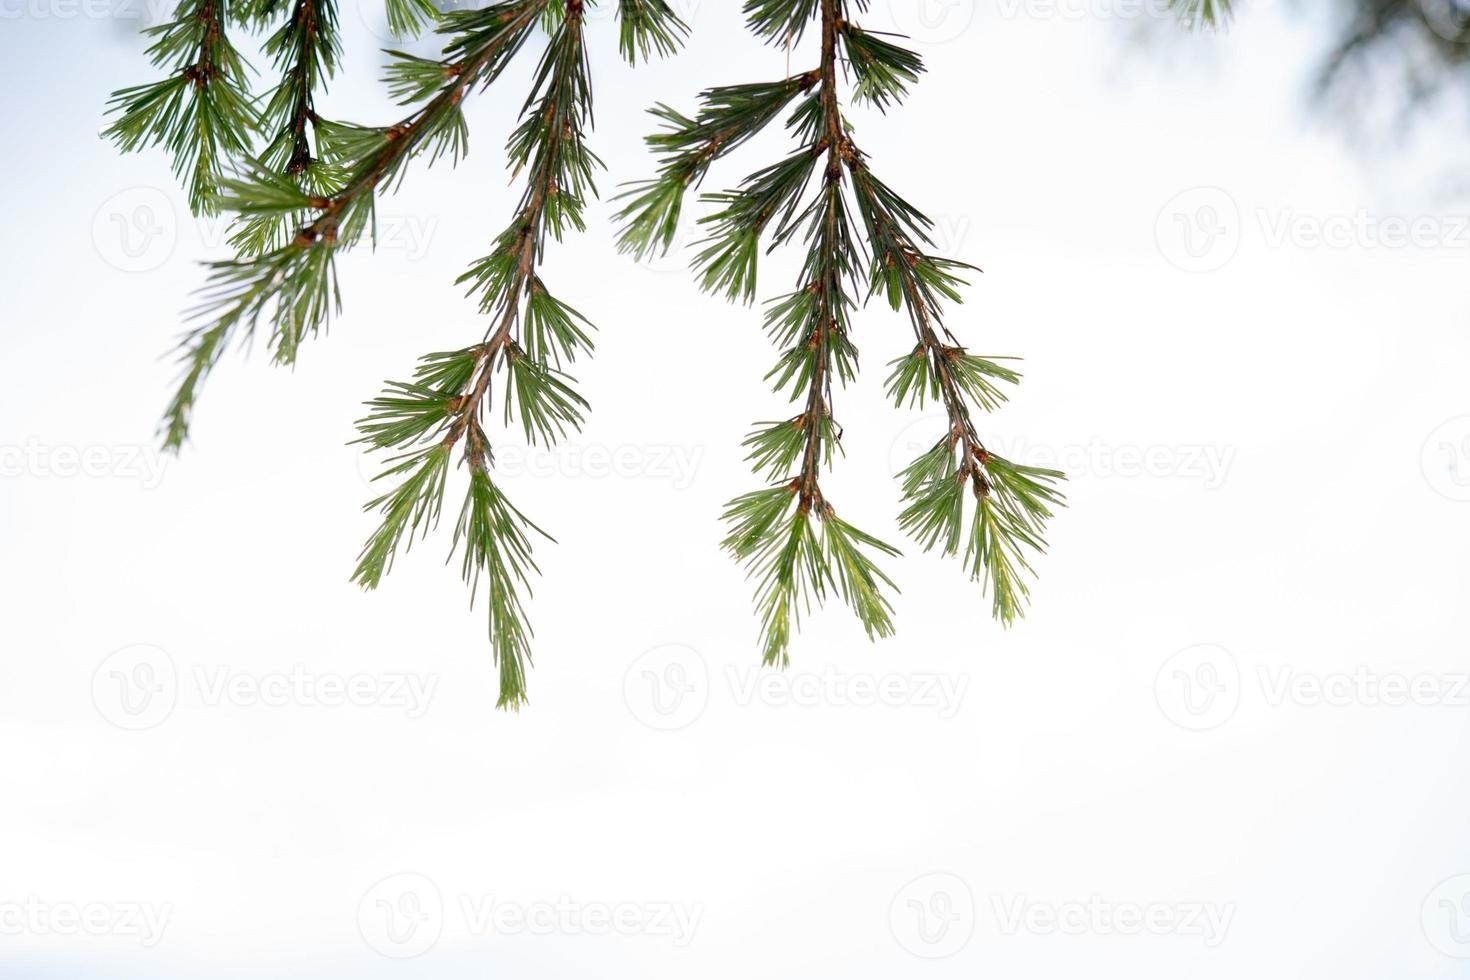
(860,239)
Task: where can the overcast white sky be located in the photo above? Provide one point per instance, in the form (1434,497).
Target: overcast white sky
(1228,740)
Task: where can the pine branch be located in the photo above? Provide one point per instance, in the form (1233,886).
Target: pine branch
(789,536)
(311,191)
(531,333)
(481,43)
(306,50)
(1013,502)
(793,560)
(201,112)
(647,28)
(406,18)
(421,423)
(728,116)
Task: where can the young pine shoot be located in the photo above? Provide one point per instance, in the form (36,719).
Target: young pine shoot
(860,239)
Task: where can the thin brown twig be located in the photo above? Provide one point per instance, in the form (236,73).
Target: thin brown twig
(818,396)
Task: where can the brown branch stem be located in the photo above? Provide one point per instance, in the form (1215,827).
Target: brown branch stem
(528,235)
(405,134)
(810,493)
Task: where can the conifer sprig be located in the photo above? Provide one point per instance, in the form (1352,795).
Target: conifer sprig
(1012,501)
(367,160)
(531,336)
(861,239)
(307,50)
(202,111)
(647,28)
(421,424)
(728,116)
(1202,13)
(789,536)
(312,191)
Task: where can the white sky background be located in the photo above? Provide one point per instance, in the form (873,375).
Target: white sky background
(1304,512)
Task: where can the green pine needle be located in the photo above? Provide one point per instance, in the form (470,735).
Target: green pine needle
(498,547)
(202,113)
(292,290)
(1202,13)
(884,70)
(794,566)
(547,405)
(647,28)
(408,18)
(410,508)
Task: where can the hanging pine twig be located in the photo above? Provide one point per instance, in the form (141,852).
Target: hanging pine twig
(292,288)
(312,190)
(531,337)
(202,112)
(306,50)
(789,535)
(285,280)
